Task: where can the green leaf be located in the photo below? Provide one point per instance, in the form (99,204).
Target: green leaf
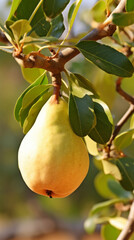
(81,114)
(91,146)
(70,12)
(41,27)
(80,84)
(21,9)
(118,190)
(98,11)
(19,28)
(24,11)
(52,8)
(57,26)
(41,80)
(123,19)
(14,6)
(23,113)
(124,139)
(126,167)
(30,98)
(34,110)
(129,5)
(31,74)
(2,28)
(109,232)
(101,184)
(99,207)
(113,62)
(33,93)
(102,131)
(39,23)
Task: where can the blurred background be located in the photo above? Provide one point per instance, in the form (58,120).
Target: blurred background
(23,214)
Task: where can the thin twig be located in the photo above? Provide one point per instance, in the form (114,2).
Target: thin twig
(94,35)
(129,228)
(120,7)
(121,122)
(125,95)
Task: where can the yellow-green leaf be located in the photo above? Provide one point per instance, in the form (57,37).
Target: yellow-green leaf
(101,184)
(31,74)
(110,168)
(124,139)
(19,28)
(118,222)
(98,11)
(91,146)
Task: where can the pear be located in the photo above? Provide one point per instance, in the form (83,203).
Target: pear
(53,160)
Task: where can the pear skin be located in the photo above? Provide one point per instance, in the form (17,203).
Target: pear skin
(53,160)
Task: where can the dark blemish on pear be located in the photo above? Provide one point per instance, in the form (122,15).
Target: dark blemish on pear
(49,193)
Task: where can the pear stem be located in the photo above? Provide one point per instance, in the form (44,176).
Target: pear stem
(56,82)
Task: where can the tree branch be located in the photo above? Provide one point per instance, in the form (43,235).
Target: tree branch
(56,64)
(104,30)
(38,60)
(129,228)
(94,35)
(120,8)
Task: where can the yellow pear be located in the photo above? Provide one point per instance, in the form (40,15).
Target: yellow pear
(53,160)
